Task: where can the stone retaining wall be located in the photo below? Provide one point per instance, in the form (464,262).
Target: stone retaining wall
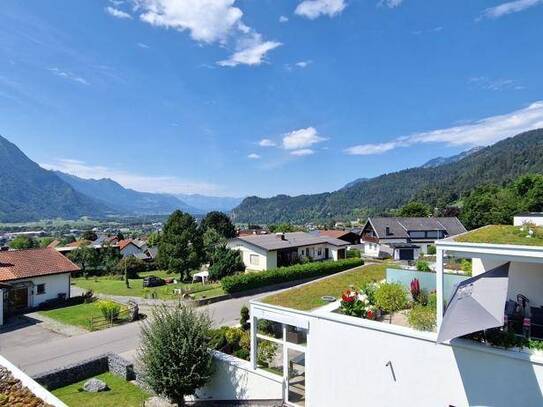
(86,369)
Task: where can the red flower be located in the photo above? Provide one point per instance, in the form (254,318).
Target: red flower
(347,296)
(370,314)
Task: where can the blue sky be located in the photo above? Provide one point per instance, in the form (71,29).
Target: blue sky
(260,97)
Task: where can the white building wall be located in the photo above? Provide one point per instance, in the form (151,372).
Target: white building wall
(234,379)
(520,220)
(371,249)
(54,285)
(267,260)
(347,364)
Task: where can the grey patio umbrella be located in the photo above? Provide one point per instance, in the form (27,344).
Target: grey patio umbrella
(478,303)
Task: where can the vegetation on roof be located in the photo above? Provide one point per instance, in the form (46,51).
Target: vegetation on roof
(504,234)
(309,296)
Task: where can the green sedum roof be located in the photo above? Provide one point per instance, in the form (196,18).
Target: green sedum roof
(503,234)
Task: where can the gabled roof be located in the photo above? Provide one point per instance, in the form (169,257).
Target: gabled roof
(124,243)
(54,243)
(291,240)
(399,226)
(337,234)
(18,264)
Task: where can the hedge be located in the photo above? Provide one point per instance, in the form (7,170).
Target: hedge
(252,280)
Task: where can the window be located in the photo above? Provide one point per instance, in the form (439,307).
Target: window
(303,252)
(319,252)
(254,259)
(40,289)
(417,234)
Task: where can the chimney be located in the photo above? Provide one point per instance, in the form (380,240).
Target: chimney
(280,235)
(387,231)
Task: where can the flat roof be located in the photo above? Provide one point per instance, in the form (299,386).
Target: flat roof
(501,235)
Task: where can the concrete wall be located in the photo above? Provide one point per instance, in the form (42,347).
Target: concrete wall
(427,280)
(524,278)
(234,379)
(347,363)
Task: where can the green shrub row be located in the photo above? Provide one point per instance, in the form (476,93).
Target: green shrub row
(250,281)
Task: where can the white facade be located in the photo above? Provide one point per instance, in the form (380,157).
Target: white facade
(254,257)
(519,220)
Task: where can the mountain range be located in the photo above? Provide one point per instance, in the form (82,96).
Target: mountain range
(28,193)
(437,183)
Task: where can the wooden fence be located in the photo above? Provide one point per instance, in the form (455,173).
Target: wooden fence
(126,313)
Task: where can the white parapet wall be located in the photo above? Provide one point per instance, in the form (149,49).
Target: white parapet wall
(30,384)
(234,379)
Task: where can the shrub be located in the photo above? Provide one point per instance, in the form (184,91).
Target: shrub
(422,265)
(422,318)
(265,353)
(415,289)
(174,354)
(217,338)
(353,253)
(466,266)
(244,317)
(110,310)
(431,249)
(233,335)
(391,297)
(249,281)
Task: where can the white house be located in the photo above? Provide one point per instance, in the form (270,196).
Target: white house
(265,252)
(325,358)
(30,277)
(406,238)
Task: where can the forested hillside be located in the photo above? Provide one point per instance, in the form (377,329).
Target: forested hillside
(437,186)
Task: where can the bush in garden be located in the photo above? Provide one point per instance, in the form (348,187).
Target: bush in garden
(422,265)
(266,353)
(391,297)
(353,253)
(109,309)
(466,266)
(233,335)
(174,352)
(249,281)
(422,317)
(431,249)
(244,317)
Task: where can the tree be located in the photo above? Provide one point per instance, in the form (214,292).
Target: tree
(67,240)
(283,228)
(23,242)
(181,247)
(110,257)
(45,241)
(85,257)
(175,352)
(489,205)
(89,235)
(220,222)
(153,239)
(130,267)
(415,209)
(212,240)
(120,236)
(225,262)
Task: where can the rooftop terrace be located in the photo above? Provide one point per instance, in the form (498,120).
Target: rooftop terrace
(503,234)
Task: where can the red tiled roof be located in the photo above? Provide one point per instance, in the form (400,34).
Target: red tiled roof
(17,264)
(123,243)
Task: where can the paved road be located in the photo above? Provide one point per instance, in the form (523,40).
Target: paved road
(38,350)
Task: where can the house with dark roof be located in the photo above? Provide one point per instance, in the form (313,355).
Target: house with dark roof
(406,238)
(265,252)
(345,235)
(31,277)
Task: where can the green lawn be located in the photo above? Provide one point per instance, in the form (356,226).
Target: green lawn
(78,315)
(111,286)
(308,297)
(502,234)
(120,393)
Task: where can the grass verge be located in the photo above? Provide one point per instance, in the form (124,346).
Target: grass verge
(77,315)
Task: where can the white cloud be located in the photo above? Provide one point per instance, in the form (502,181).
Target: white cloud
(478,133)
(315,8)
(143,45)
(250,51)
(266,142)
(68,75)
(283,19)
(510,7)
(253,156)
(139,182)
(115,12)
(390,3)
(303,64)
(209,21)
(495,84)
(301,139)
(302,152)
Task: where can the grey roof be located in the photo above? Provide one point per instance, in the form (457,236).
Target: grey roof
(291,240)
(398,227)
(153,251)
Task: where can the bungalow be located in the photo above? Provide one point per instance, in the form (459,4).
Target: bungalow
(264,252)
(406,238)
(31,277)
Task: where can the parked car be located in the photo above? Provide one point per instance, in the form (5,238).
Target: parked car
(153,281)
